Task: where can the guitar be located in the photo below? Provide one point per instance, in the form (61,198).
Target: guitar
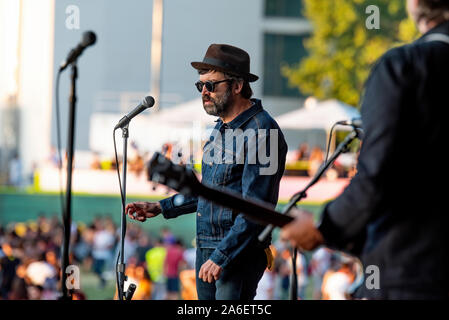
(162,170)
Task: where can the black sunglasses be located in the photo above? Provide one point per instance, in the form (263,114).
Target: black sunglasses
(210,85)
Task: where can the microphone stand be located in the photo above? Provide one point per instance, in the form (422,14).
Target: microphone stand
(88,39)
(341,148)
(67,215)
(120,268)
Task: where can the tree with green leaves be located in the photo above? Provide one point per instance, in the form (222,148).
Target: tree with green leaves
(342,49)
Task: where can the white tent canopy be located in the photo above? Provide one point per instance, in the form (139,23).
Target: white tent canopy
(318,115)
(185,113)
(181,123)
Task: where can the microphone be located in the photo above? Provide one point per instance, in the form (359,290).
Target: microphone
(146,103)
(129,293)
(89,38)
(355,122)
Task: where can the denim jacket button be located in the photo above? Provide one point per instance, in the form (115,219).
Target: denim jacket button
(199,214)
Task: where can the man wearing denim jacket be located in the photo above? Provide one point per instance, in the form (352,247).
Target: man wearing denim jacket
(246,153)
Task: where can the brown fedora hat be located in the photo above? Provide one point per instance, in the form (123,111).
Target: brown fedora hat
(226,58)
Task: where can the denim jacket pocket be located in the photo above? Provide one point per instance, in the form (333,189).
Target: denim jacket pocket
(220,174)
(226,219)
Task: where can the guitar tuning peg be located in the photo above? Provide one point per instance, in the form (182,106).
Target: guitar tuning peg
(155,177)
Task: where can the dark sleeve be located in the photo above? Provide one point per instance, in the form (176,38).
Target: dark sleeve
(178,205)
(254,185)
(345,219)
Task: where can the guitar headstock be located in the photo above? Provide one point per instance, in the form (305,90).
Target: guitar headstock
(178,177)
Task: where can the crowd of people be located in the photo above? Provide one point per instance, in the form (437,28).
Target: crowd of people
(161,266)
(314,158)
(311,157)
(30,257)
(325,274)
(29,260)
(137,158)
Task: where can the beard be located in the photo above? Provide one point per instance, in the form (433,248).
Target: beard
(220,105)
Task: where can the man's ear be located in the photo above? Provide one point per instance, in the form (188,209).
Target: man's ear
(237,87)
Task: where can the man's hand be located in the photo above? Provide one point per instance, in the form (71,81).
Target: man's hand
(302,232)
(210,271)
(141,211)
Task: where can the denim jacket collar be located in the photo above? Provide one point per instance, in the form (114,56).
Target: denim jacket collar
(242,118)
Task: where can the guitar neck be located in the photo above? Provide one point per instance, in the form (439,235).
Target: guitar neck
(256,210)
(184,180)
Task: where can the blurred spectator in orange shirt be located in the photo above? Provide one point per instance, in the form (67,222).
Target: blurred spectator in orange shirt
(315,160)
(303,152)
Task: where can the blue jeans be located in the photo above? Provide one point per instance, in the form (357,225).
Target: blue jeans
(238,281)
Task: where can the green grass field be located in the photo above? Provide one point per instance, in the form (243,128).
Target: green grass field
(90,285)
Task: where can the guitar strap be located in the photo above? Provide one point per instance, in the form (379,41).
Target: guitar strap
(437,37)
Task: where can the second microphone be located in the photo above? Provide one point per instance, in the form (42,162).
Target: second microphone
(146,103)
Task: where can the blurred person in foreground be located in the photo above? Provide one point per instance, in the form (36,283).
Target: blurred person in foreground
(266,286)
(8,265)
(316,158)
(319,264)
(391,218)
(138,276)
(174,260)
(155,259)
(144,285)
(230,260)
(102,249)
(337,279)
(187,276)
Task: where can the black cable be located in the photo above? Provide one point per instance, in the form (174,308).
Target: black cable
(116,276)
(294,283)
(58,139)
(122,196)
(118,169)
